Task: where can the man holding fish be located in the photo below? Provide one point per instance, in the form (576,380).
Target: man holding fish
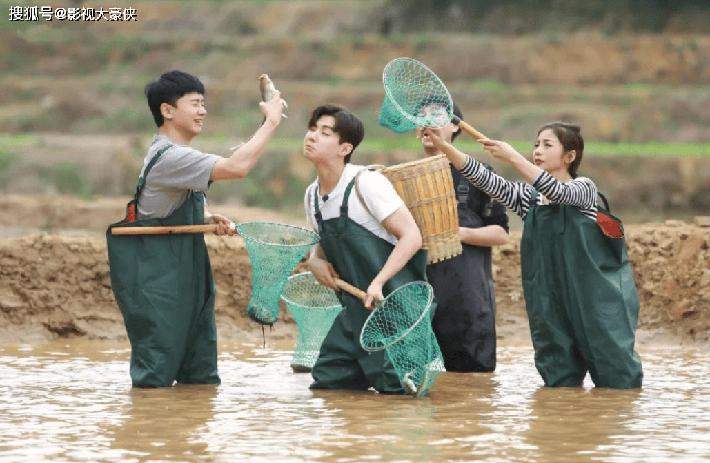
(163,284)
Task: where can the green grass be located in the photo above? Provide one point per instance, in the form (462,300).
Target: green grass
(67,178)
(490,85)
(7,161)
(649,149)
(16,142)
(409,143)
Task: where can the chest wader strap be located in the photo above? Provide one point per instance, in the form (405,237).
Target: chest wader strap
(344,205)
(153,161)
(559,220)
(346,197)
(132,206)
(534,198)
(607,223)
(316,209)
(604,200)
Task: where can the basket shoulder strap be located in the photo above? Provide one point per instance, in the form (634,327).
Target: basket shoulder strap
(359,193)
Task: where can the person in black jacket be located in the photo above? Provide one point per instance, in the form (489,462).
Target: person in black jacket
(464,321)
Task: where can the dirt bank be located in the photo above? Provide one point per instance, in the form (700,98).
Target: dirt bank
(59,286)
(21,215)
(672,269)
(53,285)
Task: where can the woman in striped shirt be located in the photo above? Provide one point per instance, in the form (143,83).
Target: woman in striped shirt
(580,294)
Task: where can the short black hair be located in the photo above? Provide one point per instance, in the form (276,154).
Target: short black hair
(459,114)
(168,88)
(348,126)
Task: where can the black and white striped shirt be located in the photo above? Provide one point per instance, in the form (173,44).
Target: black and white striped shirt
(580,192)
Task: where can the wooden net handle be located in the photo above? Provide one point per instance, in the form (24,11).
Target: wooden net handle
(470,130)
(350,289)
(175,229)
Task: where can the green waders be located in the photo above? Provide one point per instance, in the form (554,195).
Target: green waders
(357,255)
(581,300)
(164,288)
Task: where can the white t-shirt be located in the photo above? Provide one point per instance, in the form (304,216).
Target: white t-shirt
(379,194)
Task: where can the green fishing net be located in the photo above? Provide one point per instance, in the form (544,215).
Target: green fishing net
(401,324)
(414,97)
(274,250)
(314,308)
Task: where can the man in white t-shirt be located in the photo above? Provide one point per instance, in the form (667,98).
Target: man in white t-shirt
(379,200)
(368,238)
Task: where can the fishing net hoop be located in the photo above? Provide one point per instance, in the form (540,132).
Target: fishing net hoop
(381,306)
(314,308)
(404,61)
(272,261)
(304,275)
(242,229)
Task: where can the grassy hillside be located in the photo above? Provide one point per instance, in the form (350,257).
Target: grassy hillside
(641,180)
(89,77)
(634,74)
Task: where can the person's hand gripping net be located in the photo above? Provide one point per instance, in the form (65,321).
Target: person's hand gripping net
(324,272)
(374,294)
(224,225)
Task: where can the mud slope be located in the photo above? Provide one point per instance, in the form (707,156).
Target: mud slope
(54,285)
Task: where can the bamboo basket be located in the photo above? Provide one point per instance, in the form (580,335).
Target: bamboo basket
(426,187)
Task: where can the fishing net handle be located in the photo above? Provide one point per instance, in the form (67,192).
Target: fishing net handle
(357,292)
(168,230)
(468,128)
(347,287)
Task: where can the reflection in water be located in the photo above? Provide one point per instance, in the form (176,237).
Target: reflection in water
(73,402)
(387,426)
(166,423)
(592,419)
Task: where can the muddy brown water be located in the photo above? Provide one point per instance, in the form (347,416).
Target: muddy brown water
(72,401)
